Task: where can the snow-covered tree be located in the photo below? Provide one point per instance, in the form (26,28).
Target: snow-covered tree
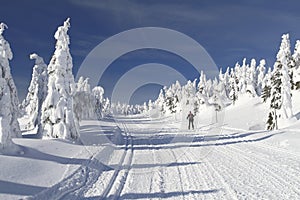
(286,109)
(296,71)
(160,102)
(281,106)
(9,126)
(58,117)
(266,86)
(233,93)
(37,92)
(260,77)
(202,84)
(201,93)
(241,76)
(145,107)
(150,105)
(276,100)
(98,93)
(251,78)
(173,96)
(84,101)
(285,54)
(106,107)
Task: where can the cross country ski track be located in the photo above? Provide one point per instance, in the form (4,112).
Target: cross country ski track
(150,165)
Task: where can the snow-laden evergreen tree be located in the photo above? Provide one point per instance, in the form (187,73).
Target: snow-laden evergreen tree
(251,78)
(106,107)
(260,77)
(281,106)
(84,101)
(98,93)
(172,98)
(9,126)
(221,88)
(285,53)
(241,76)
(201,93)
(296,71)
(226,81)
(202,83)
(160,102)
(286,109)
(188,97)
(233,93)
(150,105)
(58,117)
(266,86)
(37,92)
(276,100)
(145,108)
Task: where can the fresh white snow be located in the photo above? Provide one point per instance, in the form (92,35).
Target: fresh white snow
(137,157)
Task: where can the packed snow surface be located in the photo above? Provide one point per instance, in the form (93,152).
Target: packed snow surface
(139,157)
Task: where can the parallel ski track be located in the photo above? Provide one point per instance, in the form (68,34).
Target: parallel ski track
(117,182)
(76,180)
(256,165)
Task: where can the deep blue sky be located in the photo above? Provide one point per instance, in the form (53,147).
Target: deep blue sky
(228,30)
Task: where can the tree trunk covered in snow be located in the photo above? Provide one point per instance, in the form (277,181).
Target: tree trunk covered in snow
(58,118)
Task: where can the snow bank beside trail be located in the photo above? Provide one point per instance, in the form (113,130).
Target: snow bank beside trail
(43,164)
(289,139)
(247,113)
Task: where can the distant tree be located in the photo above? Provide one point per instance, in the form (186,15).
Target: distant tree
(241,76)
(172,97)
(260,77)
(251,79)
(266,86)
(160,102)
(233,94)
(98,93)
(84,100)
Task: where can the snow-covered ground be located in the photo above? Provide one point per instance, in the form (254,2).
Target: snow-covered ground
(145,158)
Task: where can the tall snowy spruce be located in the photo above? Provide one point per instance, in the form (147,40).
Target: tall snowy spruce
(233,94)
(296,71)
(58,118)
(37,92)
(9,126)
(281,106)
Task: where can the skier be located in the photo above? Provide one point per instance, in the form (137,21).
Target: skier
(190,117)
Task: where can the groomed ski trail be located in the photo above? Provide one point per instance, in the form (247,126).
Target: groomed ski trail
(204,164)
